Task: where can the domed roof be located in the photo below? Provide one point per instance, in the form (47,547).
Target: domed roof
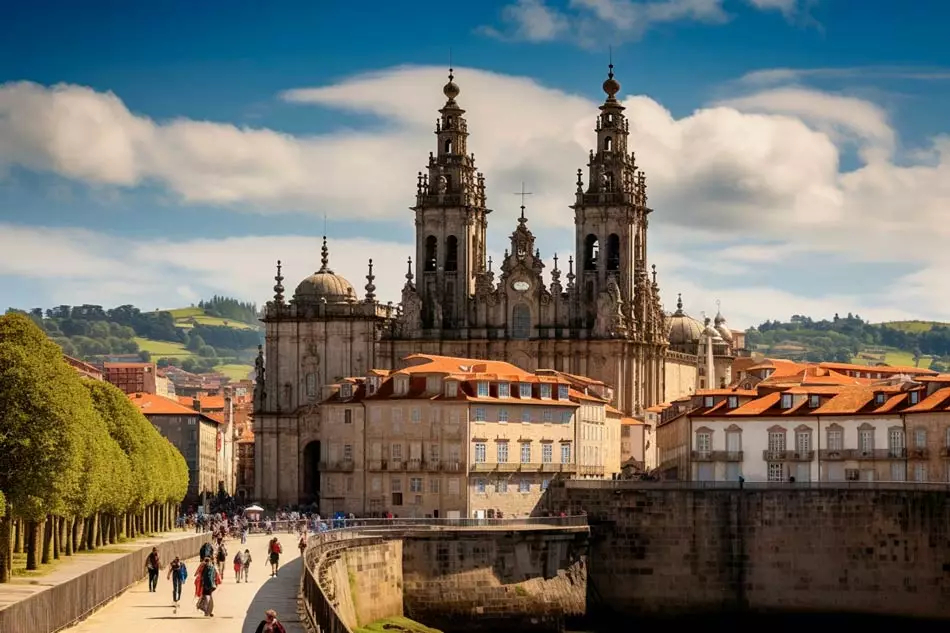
(684,329)
(325,284)
(710,331)
(721,326)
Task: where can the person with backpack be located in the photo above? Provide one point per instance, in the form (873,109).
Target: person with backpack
(270,624)
(274,550)
(153,563)
(177,573)
(206,582)
(238,565)
(221,557)
(246,563)
(206,550)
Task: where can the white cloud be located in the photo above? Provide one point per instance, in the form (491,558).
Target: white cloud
(746,185)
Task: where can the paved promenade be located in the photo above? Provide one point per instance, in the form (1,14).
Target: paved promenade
(238,607)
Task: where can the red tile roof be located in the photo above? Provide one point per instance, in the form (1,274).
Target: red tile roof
(151,404)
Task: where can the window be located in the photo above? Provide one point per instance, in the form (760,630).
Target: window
(524,486)
(347,416)
(376,484)
(547,415)
(451,388)
(501,486)
(786,401)
(563,392)
(504,390)
(776,440)
(480,486)
(525,452)
(402,385)
(898,473)
(547,453)
(733,402)
(920,472)
(704,442)
(395,484)
(395,450)
(525,389)
(879,398)
(521,322)
(803,442)
(432,384)
(914,397)
(502,450)
(434,485)
(347,452)
(416,415)
(482,389)
(415,484)
(895,443)
(835,440)
(503,415)
(545,483)
(565,453)
(733,443)
(526,418)
(397,416)
(776,471)
(814,401)
(708,401)
(434,453)
(480,452)
(454,417)
(920,437)
(376,416)
(545,390)
(479,414)
(566,417)
(454,486)
(866,440)
(346,390)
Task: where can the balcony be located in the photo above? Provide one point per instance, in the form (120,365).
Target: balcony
(788,456)
(508,467)
(918,453)
(482,467)
(451,467)
(414,464)
(717,456)
(377,464)
(590,469)
(877,454)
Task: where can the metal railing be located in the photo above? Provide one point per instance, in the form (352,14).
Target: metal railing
(624,484)
(716,456)
(788,456)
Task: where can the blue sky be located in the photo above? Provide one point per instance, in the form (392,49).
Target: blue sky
(156,154)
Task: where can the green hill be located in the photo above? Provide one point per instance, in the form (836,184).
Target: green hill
(922,344)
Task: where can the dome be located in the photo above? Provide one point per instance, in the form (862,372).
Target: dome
(721,326)
(709,331)
(684,329)
(451,89)
(325,284)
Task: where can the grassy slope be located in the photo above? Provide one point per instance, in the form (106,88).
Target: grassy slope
(183,316)
(914,326)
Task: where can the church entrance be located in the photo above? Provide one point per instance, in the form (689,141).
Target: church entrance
(311,473)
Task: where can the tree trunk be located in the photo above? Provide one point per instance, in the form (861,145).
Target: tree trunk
(78,530)
(33,535)
(100,540)
(17,525)
(57,543)
(68,535)
(6,546)
(93,523)
(47,540)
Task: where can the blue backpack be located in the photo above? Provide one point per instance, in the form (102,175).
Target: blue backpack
(183,571)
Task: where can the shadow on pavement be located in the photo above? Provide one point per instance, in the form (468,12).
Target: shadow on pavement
(280,594)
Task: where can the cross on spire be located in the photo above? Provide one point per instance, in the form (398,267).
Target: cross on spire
(523,193)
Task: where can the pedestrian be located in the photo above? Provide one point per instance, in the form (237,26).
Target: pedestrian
(153,564)
(274,550)
(221,557)
(206,582)
(238,564)
(302,544)
(206,550)
(177,573)
(270,624)
(246,563)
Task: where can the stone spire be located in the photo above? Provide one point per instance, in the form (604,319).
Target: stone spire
(325,258)
(679,304)
(556,288)
(409,277)
(370,287)
(570,272)
(279,286)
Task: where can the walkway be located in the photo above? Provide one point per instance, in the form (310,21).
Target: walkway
(238,607)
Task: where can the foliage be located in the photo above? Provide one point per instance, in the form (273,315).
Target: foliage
(842,338)
(222,336)
(229,308)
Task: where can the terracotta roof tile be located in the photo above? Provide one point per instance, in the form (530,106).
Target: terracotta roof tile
(935,401)
(151,404)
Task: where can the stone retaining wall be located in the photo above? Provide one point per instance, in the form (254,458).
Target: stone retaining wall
(59,606)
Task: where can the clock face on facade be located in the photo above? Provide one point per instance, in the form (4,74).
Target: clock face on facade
(521,286)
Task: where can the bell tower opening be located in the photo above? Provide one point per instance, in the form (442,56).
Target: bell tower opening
(591,252)
(432,251)
(613,252)
(451,254)
(608,144)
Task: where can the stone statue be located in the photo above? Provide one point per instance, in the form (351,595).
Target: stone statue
(259,394)
(410,317)
(609,321)
(436,313)
(604,179)
(441,183)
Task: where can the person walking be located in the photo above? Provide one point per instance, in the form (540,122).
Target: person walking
(221,557)
(238,565)
(246,563)
(177,573)
(302,544)
(270,623)
(207,549)
(274,550)
(152,565)
(208,581)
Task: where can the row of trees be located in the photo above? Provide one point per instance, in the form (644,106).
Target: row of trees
(228,308)
(80,466)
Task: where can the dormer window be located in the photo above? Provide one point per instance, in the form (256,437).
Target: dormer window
(525,390)
(563,392)
(371,384)
(451,388)
(346,390)
(708,401)
(402,385)
(504,390)
(482,389)
(814,401)
(432,384)
(879,398)
(914,397)
(733,402)
(546,391)
(786,401)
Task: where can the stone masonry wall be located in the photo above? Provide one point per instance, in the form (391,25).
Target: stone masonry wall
(498,581)
(375,579)
(673,551)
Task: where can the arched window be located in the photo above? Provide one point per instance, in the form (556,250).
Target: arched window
(521,322)
(608,144)
(591,252)
(432,252)
(613,252)
(451,254)
(448,146)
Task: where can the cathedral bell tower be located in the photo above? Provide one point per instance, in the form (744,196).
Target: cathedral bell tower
(451,222)
(610,218)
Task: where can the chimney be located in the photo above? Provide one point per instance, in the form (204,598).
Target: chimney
(196,404)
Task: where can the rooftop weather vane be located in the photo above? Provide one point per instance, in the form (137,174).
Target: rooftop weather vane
(522,193)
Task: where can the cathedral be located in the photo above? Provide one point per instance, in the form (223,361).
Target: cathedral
(601,318)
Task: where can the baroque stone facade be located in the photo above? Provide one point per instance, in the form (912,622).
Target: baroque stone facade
(604,320)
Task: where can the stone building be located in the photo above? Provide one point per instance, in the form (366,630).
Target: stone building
(601,318)
(454,437)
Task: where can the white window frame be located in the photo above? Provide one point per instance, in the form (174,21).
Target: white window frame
(482,389)
(563,392)
(566,453)
(504,390)
(481,452)
(478,414)
(545,391)
(547,453)
(525,390)
(525,452)
(501,452)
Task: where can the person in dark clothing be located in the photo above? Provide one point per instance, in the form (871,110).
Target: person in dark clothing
(152,565)
(270,624)
(177,574)
(206,551)
(209,583)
